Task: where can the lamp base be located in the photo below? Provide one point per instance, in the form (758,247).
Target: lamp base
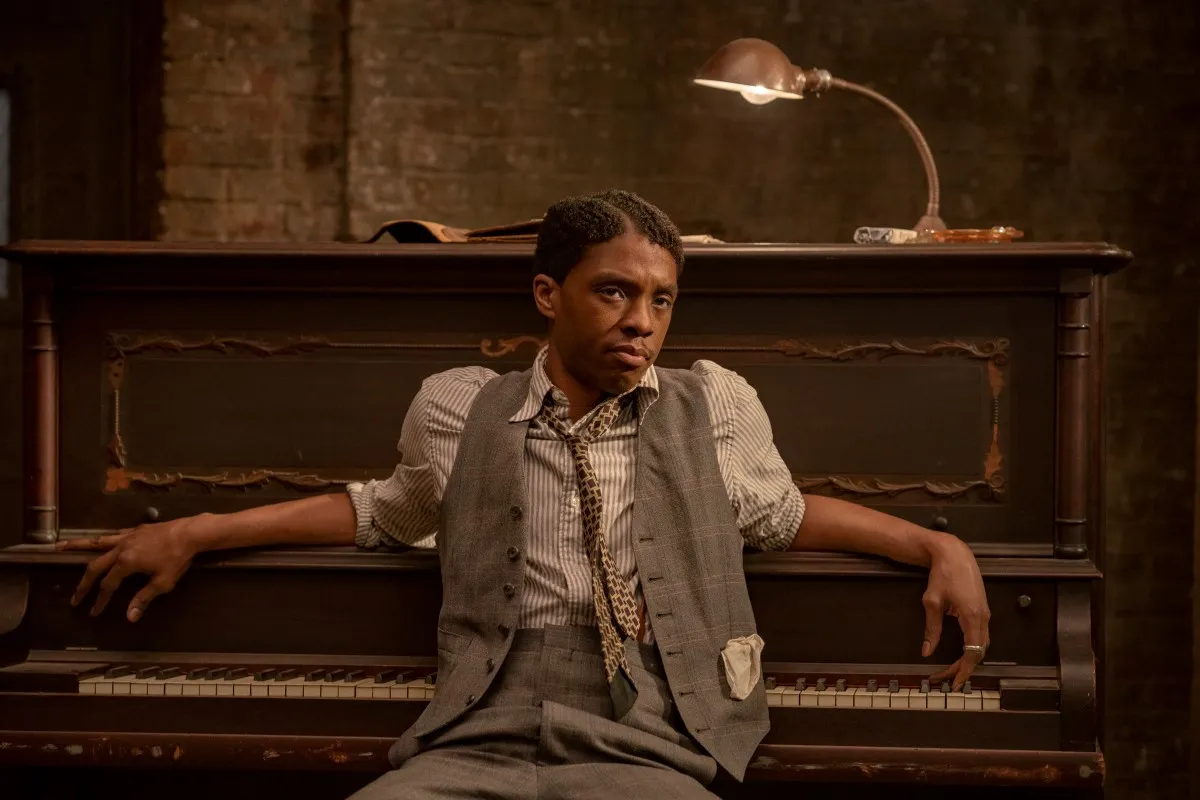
(928,224)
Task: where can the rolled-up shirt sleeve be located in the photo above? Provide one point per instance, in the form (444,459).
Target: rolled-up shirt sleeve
(765,498)
(405,508)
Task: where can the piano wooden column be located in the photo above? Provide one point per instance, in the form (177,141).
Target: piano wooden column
(43,503)
(1071,424)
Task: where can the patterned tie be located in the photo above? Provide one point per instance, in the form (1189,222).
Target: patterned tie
(611,596)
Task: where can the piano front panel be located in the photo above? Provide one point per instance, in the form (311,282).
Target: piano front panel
(392,612)
(187,402)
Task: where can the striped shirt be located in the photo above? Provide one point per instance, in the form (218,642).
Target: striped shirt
(404,509)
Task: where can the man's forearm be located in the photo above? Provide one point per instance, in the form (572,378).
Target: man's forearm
(835,525)
(327,519)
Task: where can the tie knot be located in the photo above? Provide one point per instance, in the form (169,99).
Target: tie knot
(600,422)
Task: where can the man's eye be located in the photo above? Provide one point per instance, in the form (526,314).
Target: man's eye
(611,291)
(664,301)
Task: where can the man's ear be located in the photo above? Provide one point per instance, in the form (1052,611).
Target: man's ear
(545,295)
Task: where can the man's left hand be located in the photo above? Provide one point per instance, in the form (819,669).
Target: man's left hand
(956,588)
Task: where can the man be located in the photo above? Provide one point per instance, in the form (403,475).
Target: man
(596,637)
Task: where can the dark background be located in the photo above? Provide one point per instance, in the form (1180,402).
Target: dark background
(321,119)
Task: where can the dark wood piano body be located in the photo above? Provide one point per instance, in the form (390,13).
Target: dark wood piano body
(956,386)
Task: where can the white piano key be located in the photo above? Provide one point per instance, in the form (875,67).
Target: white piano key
(294,687)
(956,701)
(364,688)
(122,685)
(844,699)
(827,698)
(881,698)
(991,700)
(313,688)
(260,688)
(382,690)
(244,686)
(775,696)
(808,698)
(92,685)
(899,699)
(791,697)
(862,697)
(937,700)
(173,687)
(918,699)
(329,689)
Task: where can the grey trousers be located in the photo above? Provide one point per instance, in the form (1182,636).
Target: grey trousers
(545,730)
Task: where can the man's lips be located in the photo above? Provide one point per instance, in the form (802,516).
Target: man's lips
(630,355)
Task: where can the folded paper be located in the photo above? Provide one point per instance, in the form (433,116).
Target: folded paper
(743,664)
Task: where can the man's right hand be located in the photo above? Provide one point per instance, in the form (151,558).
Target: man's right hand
(163,550)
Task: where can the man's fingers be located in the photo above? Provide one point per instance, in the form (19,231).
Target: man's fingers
(934,611)
(91,543)
(95,569)
(111,582)
(947,672)
(137,606)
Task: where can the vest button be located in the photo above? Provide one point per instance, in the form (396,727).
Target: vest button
(470,699)
(504,629)
(513,553)
(490,664)
(509,590)
(515,513)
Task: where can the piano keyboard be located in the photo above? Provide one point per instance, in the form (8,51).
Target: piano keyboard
(824,693)
(331,683)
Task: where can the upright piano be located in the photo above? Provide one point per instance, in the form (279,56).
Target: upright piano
(957,386)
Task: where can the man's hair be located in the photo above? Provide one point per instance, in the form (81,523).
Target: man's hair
(574,224)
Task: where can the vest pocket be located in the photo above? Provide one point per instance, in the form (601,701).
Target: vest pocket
(451,643)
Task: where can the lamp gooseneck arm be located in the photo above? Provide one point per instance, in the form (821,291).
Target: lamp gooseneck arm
(931,220)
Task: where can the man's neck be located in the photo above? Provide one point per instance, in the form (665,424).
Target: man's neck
(580,398)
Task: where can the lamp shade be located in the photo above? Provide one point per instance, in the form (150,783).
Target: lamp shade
(754,67)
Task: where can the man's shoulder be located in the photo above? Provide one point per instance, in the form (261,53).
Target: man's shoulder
(458,378)
(708,376)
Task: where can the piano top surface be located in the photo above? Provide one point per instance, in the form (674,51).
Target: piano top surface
(1101,257)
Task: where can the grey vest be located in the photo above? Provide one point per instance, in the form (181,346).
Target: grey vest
(688,551)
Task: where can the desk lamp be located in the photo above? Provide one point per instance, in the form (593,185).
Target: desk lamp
(761,73)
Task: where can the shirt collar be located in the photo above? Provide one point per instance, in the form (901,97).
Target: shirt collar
(539,384)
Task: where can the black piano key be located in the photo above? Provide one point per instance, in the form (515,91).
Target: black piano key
(216,673)
(945,687)
(235,674)
(893,686)
(966,687)
(148,672)
(285,674)
(197,673)
(801,684)
(770,683)
(265,674)
(872,685)
(118,672)
(169,672)
(820,684)
(385,675)
(841,684)
(925,686)
(314,675)
(354,675)
(334,675)
(431,679)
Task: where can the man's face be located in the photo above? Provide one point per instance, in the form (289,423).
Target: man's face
(612,312)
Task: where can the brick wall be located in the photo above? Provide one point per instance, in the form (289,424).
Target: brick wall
(252,146)
(1062,118)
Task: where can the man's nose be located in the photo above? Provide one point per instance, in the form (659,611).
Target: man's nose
(638,319)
